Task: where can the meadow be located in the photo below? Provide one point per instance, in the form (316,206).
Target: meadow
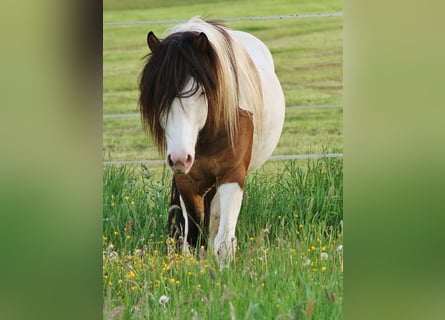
(289,262)
(290,232)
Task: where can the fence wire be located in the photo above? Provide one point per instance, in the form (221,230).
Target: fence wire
(272,158)
(136,115)
(233,19)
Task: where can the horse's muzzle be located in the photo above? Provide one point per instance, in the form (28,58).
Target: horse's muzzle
(180,163)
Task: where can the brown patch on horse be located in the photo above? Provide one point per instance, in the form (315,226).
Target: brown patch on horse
(216,163)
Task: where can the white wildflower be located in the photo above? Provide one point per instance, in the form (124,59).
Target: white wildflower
(163,299)
(323,256)
(113,255)
(306,262)
(340,248)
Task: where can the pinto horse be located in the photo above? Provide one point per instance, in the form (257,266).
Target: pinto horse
(211,100)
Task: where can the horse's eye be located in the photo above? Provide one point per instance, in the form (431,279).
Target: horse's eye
(202,94)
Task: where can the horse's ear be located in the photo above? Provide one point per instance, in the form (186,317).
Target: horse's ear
(202,42)
(153,42)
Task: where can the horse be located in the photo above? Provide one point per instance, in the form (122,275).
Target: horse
(211,101)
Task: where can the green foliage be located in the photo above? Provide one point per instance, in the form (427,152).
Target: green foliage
(310,194)
(135,203)
(288,220)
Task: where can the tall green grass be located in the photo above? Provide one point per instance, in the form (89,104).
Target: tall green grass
(290,220)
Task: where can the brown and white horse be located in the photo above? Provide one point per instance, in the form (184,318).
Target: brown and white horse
(211,100)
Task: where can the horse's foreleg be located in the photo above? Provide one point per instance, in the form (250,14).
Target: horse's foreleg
(215,214)
(230,196)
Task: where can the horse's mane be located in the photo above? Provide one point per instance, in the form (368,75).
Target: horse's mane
(226,72)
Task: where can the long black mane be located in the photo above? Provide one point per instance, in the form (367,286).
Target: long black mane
(179,57)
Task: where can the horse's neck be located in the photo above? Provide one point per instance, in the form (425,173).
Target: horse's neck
(211,141)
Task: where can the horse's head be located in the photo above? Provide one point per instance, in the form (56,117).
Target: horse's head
(182,124)
(178,84)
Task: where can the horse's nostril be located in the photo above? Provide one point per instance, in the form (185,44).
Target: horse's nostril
(189,159)
(170,162)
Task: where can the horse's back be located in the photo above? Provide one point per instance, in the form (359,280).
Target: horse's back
(257,50)
(266,139)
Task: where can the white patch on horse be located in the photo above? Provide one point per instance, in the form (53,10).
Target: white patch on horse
(185,245)
(215,215)
(230,199)
(271,123)
(187,116)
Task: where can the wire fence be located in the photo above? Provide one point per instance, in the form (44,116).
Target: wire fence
(278,157)
(137,115)
(233,19)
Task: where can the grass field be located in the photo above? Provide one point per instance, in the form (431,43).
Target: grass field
(289,259)
(288,263)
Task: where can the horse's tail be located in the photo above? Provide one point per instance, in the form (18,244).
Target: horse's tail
(176,223)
